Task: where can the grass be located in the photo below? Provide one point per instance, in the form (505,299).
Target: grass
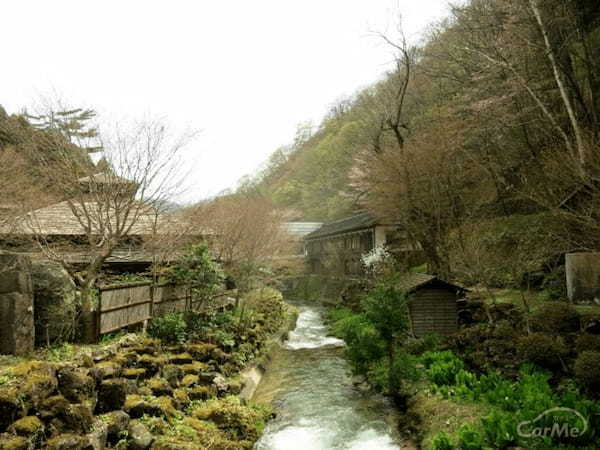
(437,414)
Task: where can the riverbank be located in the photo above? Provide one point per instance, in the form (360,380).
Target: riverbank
(146,393)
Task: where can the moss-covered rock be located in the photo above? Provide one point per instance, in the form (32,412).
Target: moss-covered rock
(67,442)
(136,406)
(98,437)
(181,358)
(27,427)
(116,423)
(201,392)
(195,368)
(134,374)
(12,442)
(66,417)
(111,395)
(151,363)
(190,380)
(75,384)
(38,381)
(181,398)
(201,352)
(11,408)
(106,369)
(159,386)
(172,373)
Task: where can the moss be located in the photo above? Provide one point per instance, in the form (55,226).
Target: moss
(587,342)
(159,386)
(194,368)
(107,369)
(202,392)
(133,374)
(235,420)
(151,363)
(201,352)
(27,426)
(10,407)
(172,373)
(66,442)
(9,442)
(181,397)
(190,380)
(137,406)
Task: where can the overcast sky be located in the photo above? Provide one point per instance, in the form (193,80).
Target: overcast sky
(244,73)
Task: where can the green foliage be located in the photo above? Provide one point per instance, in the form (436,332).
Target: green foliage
(442,368)
(542,349)
(442,442)
(199,270)
(587,370)
(556,317)
(387,309)
(170,328)
(587,342)
(428,343)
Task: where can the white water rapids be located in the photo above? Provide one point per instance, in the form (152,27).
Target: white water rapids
(309,384)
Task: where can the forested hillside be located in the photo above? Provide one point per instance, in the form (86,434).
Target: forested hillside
(495,115)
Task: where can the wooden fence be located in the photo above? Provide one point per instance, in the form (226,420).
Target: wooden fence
(125,305)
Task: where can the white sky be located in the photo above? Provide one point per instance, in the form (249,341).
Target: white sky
(244,73)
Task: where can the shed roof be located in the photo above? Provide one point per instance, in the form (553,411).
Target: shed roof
(410,282)
(357,222)
(105,178)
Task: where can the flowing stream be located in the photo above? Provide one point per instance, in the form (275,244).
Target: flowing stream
(309,384)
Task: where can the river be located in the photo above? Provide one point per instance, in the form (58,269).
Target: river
(309,383)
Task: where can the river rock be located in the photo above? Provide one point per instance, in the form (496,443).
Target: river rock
(140,437)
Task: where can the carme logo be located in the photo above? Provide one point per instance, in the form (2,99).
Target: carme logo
(566,423)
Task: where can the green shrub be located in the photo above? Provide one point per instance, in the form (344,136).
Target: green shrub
(442,441)
(470,438)
(587,370)
(587,342)
(543,350)
(442,367)
(500,429)
(428,343)
(170,328)
(556,317)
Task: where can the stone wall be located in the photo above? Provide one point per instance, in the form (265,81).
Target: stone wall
(16,305)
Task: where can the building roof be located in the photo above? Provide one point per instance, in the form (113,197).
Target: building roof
(60,220)
(105,178)
(352,223)
(301,229)
(410,282)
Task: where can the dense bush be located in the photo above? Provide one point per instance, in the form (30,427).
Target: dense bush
(556,317)
(542,349)
(587,342)
(428,343)
(587,370)
(442,367)
(170,328)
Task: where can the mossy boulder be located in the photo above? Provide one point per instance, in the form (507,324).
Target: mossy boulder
(201,352)
(112,394)
(67,442)
(38,381)
(159,386)
(195,368)
(137,406)
(173,374)
(98,437)
(190,380)
(27,427)
(173,444)
(116,423)
(11,407)
(181,398)
(76,385)
(134,374)
(106,369)
(233,418)
(201,392)
(66,417)
(181,358)
(151,363)
(12,442)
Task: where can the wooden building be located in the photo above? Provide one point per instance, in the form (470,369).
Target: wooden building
(433,306)
(336,248)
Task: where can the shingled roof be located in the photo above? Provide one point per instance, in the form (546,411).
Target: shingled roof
(58,220)
(352,223)
(410,282)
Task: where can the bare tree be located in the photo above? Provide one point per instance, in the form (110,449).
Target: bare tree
(114,206)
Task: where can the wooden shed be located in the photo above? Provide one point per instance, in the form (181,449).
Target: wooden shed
(433,305)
